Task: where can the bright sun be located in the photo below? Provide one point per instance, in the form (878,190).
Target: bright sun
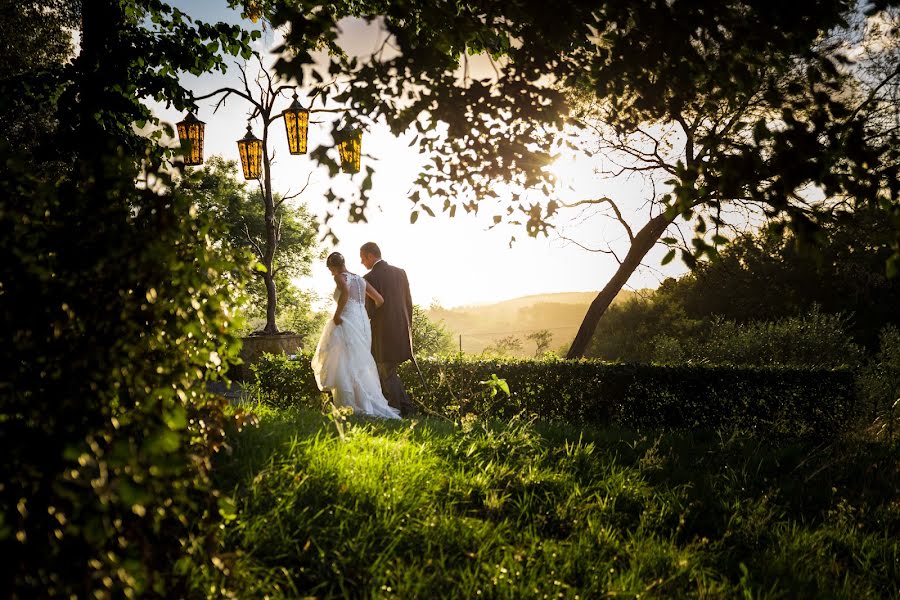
(575,173)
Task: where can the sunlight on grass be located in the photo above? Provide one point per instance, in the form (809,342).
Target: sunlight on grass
(422,509)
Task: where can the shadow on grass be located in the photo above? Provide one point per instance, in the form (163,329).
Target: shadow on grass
(426,509)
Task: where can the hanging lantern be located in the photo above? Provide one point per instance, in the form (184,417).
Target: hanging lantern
(254,10)
(190,133)
(350,148)
(296,121)
(250,149)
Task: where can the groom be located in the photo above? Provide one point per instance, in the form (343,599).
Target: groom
(391,325)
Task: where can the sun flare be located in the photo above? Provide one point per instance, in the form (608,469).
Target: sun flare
(574,173)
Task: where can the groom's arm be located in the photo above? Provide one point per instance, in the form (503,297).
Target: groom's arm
(370,304)
(407,296)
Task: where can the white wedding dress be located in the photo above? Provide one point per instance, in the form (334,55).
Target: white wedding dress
(343,362)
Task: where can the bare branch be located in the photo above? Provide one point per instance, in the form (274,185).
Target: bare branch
(259,252)
(227,91)
(874,93)
(604,200)
(609,249)
(290,196)
(328,110)
(243,76)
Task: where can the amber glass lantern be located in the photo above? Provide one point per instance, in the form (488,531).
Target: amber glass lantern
(350,148)
(250,149)
(190,133)
(253,9)
(296,122)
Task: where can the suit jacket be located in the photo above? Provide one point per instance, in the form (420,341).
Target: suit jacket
(392,323)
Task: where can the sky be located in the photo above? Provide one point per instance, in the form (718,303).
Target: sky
(451,262)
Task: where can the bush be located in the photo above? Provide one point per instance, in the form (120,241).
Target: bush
(114,314)
(814,340)
(771,400)
(280,381)
(429,337)
(879,382)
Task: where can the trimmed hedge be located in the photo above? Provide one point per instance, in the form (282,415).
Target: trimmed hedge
(771,400)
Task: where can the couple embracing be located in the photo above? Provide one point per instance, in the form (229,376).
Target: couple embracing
(368,337)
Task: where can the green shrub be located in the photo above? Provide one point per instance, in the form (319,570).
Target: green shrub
(115,312)
(106,429)
(813,340)
(879,382)
(771,400)
(280,381)
(429,337)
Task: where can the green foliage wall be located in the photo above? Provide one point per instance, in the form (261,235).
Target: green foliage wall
(768,400)
(879,383)
(764,301)
(106,422)
(115,310)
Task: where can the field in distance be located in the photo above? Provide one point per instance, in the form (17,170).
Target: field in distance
(483,325)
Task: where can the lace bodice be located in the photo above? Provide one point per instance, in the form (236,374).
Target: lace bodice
(356,286)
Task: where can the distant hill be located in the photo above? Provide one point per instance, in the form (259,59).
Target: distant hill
(482,325)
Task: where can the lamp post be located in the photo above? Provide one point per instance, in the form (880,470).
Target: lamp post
(256,163)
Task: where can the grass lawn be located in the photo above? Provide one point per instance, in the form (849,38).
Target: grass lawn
(424,509)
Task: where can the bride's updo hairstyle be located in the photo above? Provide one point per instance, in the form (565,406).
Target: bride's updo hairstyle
(335,259)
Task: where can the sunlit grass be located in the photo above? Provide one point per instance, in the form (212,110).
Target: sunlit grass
(425,509)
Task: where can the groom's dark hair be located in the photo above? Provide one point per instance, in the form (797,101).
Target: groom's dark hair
(371,248)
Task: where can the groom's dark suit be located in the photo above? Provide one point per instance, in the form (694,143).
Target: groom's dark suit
(391,331)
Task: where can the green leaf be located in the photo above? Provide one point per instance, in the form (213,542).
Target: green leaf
(163,442)
(227,508)
(413,216)
(670,255)
(176,418)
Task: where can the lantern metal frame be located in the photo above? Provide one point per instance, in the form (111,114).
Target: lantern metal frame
(250,149)
(190,134)
(296,124)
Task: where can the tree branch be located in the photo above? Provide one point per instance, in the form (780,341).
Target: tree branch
(873,93)
(609,249)
(290,196)
(252,242)
(689,141)
(604,200)
(227,91)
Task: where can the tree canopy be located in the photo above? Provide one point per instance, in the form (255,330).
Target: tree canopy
(761,106)
(240,212)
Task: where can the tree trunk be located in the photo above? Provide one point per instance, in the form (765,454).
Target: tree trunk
(271,297)
(645,239)
(87,99)
(271,233)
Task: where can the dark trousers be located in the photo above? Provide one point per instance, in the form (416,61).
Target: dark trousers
(393,389)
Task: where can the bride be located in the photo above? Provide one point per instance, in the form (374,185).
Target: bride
(343,362)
